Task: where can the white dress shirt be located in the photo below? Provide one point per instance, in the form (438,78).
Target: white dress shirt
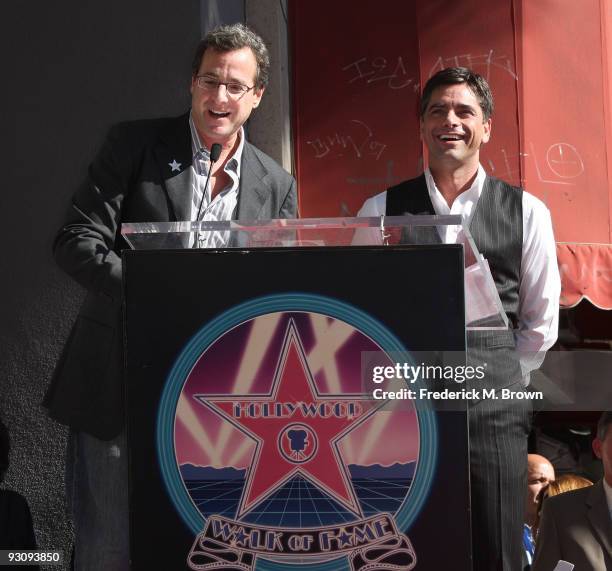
(540,283)
(223,205)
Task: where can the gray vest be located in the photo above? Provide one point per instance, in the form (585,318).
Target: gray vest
(496,226)
(497,229)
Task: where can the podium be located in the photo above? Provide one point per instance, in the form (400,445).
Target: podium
(270,420)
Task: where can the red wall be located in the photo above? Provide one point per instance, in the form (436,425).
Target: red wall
(357,68)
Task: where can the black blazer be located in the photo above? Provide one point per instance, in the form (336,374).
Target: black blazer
(132,180)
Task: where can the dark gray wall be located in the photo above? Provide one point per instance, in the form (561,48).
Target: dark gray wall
(214,13)
(69,70)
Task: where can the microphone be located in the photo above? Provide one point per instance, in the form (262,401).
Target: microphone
(215,153)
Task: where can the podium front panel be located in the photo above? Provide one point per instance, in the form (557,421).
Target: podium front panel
(253,442)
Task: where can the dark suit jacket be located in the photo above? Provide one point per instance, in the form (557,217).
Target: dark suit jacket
(131,180)
(575,527)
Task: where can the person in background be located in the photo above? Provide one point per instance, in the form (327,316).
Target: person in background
(576,526)
(540,473)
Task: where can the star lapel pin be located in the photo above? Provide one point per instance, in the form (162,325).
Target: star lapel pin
(175,166)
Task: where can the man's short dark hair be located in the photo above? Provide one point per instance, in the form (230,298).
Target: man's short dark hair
(235,37)
(456,75)
(5,448)
(605,420)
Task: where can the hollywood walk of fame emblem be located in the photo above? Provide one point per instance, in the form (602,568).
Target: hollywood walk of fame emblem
(279,456)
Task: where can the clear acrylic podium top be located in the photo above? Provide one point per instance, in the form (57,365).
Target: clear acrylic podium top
(483,306)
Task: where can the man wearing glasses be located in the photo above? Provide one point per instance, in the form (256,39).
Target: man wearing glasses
(153,170)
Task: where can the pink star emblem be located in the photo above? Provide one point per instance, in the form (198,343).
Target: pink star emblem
(296,430)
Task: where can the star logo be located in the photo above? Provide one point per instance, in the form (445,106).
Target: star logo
(296,429)
(175,166)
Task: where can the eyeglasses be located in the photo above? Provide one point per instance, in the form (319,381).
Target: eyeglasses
(234,89)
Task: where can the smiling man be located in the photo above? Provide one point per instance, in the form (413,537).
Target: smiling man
(152,170)
(224,90)
(512,230)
